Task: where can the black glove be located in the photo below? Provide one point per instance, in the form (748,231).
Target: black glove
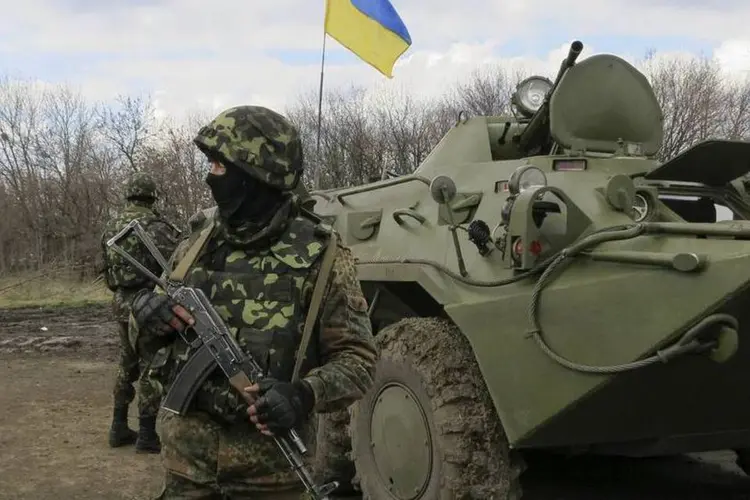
(153,313)
(283,405)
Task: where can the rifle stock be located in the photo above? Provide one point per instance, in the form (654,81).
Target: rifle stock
(215,342)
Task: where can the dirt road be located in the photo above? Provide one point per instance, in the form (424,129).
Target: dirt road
(57,367)
(56,408)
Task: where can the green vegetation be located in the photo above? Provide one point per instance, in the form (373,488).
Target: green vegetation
(50,290)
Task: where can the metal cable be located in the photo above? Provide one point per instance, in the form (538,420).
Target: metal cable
(686,344)
(481,283)
(556,263)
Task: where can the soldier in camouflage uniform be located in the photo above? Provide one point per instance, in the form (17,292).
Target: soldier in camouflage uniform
(125,281)
(258,267)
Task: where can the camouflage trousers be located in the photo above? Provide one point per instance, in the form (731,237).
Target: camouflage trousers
(129,371)
(204,459)
(178,488)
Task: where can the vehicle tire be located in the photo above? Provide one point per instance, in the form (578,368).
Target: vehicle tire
(333,451)
(427,429)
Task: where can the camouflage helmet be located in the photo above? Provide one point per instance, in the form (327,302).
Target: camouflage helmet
(140,185)
(257,140)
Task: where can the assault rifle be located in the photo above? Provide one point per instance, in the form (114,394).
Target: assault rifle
(216,346)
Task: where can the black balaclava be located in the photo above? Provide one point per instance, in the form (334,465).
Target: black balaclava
(241,198)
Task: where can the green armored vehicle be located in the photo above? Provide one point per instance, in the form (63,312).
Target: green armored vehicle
(541,282)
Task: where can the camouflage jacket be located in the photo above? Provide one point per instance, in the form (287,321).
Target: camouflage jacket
(262,291)
(120,276)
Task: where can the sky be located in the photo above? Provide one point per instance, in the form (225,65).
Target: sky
(198,55)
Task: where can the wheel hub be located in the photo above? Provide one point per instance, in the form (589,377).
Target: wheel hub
(401,443)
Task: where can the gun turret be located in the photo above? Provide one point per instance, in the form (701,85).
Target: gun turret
(538,128)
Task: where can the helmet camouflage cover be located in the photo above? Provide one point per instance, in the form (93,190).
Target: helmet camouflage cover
(140,185)
(258,140)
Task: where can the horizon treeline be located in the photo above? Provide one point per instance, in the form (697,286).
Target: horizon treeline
(63,159)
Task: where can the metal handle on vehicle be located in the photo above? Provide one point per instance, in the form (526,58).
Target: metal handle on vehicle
(399,214)
(370,222)
(380,185)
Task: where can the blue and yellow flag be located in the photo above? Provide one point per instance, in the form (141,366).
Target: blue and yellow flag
(371,29)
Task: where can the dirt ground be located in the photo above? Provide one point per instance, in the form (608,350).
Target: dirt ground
(56,373)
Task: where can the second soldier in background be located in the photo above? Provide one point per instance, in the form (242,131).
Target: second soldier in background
(125,281)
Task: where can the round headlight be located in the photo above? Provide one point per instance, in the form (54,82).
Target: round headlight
(526,177)
(530,94)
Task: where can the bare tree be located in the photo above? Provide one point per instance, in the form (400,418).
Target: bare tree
(487,92)
(694,98)
(45,169)
(127,128)
(179,168)
(351,149)
(63,160)
(70,205)
(410,129)
(735,124)
(19,125)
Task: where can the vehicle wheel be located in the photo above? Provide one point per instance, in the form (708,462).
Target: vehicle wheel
(333,451)
(427,429)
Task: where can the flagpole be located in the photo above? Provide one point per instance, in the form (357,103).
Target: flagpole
(316,176)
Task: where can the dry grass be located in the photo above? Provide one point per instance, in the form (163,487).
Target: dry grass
(50,289)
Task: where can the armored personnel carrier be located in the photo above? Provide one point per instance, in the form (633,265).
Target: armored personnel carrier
(542,282)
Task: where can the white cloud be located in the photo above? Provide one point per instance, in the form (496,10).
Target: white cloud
(734,57)
(192,55)
(658,18)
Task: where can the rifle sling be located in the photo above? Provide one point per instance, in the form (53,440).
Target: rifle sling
(316,299)
(192,253)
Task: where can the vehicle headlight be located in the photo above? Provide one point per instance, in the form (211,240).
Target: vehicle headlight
(530,94)
(526,177)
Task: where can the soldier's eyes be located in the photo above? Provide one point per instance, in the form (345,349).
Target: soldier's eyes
(215,167)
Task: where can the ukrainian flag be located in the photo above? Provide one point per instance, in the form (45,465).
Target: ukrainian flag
(371,29)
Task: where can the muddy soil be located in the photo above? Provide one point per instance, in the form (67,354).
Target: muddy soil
(87,329)
(57,368)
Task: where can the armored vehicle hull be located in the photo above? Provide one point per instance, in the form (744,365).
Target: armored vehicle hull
(545,283)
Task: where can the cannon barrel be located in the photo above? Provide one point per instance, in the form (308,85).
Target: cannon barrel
(539,122)
(575,51)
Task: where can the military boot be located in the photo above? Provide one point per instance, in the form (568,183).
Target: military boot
(120,434)
(148,441)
